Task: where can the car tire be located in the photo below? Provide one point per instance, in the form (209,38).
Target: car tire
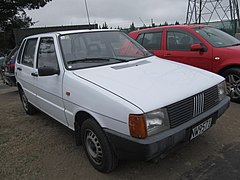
(232,78)
(77,133)
(97,147)
(27,106)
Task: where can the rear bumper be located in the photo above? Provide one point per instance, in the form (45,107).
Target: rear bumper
(154,146)
(9,78)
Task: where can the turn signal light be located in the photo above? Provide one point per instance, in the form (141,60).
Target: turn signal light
(137,126)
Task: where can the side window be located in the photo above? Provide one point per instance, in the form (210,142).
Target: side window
(20,52)
(180,41)
(28,55)
(152,40)
(140,38)
(46,54)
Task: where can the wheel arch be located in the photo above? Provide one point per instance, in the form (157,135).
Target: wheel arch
(80,117)
(221,71)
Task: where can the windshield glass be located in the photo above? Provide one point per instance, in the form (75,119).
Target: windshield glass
(217,37)
(91,49)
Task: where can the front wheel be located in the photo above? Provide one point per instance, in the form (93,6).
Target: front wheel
(97,147)
(232,77)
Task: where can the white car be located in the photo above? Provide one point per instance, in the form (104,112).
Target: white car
(121,101)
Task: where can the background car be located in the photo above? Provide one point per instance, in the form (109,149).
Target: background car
(197,45)
(2,58)
(9,67)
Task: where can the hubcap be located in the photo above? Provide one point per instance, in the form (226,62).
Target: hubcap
(93,147)
(24,102)
(233,86)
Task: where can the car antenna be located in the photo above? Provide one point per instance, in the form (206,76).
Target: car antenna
(144,25)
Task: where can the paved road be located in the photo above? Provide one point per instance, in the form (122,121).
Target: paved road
(225,164)
(37,147)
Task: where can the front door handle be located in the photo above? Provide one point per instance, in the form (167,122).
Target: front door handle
(168,55)
(34,74)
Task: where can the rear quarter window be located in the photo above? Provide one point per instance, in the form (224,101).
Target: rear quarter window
(20,52)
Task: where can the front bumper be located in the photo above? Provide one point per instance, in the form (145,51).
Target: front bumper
(154,146)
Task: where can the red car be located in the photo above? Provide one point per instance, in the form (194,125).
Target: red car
(196,45)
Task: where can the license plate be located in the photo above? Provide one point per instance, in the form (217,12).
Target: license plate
(201,128)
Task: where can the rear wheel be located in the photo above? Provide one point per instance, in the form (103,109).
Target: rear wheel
(97,147)
(232,77)
(28,107)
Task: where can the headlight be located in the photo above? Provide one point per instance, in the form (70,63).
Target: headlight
(157,121)
(221,91)
(144,125)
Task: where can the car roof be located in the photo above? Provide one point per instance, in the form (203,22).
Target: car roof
(72,32)
(172,26)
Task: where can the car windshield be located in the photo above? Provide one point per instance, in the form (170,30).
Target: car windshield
(91,49)
(216,37)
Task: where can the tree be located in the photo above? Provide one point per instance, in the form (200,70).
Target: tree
(166,23)
(132,27)
(13,15)
(13,12)
(177,23)
(104,26)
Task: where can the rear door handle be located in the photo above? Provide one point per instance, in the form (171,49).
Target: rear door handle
(20,69)
(34,74)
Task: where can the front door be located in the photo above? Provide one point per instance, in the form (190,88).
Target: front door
(49,92)
(178,48)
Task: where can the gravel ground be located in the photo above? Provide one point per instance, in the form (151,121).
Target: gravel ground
(38,147)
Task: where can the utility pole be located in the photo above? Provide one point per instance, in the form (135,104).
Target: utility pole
(206,11)
(87,13)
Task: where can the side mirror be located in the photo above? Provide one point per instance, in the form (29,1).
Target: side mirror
(196,47)
(47,71)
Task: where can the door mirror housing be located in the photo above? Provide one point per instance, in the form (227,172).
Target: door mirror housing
(48,71)
(196,47)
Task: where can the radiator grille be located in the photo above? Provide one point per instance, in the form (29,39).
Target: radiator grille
(191,107)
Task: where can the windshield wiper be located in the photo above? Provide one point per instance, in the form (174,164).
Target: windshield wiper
(119,59)
(237,44)
(90,60)
(96,59)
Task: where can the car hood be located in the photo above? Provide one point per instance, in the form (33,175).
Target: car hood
(150,83)
(232,50)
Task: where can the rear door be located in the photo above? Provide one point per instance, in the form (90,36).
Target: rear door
(25,68)
(177,48)
(49,87)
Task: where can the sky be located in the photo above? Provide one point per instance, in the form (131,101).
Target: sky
(115,13)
